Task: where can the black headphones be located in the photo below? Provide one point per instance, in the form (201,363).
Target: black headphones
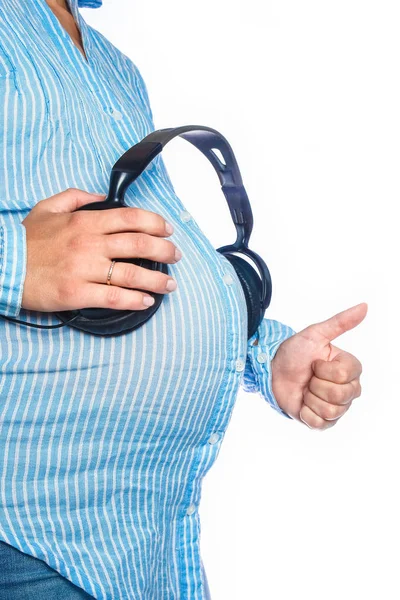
(257,289)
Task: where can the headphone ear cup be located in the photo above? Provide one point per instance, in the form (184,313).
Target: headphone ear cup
(252,288)
(109,322)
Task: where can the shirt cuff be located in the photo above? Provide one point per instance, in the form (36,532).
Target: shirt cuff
(12,265)
(257,376)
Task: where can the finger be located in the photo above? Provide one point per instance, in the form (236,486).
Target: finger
(335,393)
(96,295)
(342,369)
(68,200)
(126,219)
(130,276)
(340,323)
(324,410)
(139,245)
(312,420)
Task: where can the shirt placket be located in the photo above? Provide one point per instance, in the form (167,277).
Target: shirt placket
(217,426)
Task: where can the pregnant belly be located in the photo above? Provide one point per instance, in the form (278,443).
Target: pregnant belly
(161,380)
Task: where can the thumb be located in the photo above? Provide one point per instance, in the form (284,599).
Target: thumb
(340,323)
(68,200)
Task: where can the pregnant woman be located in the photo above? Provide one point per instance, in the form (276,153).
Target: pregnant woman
(104,442)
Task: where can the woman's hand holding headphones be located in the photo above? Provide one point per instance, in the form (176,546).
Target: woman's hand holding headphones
(69,255)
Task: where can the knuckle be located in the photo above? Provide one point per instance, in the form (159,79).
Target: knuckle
(67,290)
(140,244)
(336,395)
(341,374)
(70,269)
(113,297)
(78,218)
(78,242)
(72,190)
(129,274)
(132,215)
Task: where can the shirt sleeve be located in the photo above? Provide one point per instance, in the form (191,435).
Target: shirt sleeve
(12,265)
(257,376)
(90,3)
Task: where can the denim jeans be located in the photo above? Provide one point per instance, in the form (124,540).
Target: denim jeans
(24,577)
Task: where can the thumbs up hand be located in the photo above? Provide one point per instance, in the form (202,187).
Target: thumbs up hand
(313,380)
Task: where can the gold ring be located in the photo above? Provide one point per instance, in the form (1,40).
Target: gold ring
(110,272)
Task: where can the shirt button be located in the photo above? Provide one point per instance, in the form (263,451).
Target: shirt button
(191,509)
(213,439)
(117,115)
(262,357)
(185,216)
(227,279)
(239,365)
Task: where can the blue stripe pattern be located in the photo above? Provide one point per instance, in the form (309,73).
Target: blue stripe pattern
(104,442)
(89,3)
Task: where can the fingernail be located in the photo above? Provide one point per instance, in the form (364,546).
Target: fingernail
(148,300)
(178,254)
(168,228)
(171,285)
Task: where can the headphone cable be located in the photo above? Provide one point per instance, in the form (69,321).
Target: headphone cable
(40,326)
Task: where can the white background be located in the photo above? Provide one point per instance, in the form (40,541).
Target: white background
(308,95)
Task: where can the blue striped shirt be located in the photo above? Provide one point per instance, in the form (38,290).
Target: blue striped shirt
(104,442)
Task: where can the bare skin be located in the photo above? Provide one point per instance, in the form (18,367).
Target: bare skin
(69,254)
(314,381)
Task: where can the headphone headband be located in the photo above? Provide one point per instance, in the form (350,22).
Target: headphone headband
(257,287)
(134,161)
